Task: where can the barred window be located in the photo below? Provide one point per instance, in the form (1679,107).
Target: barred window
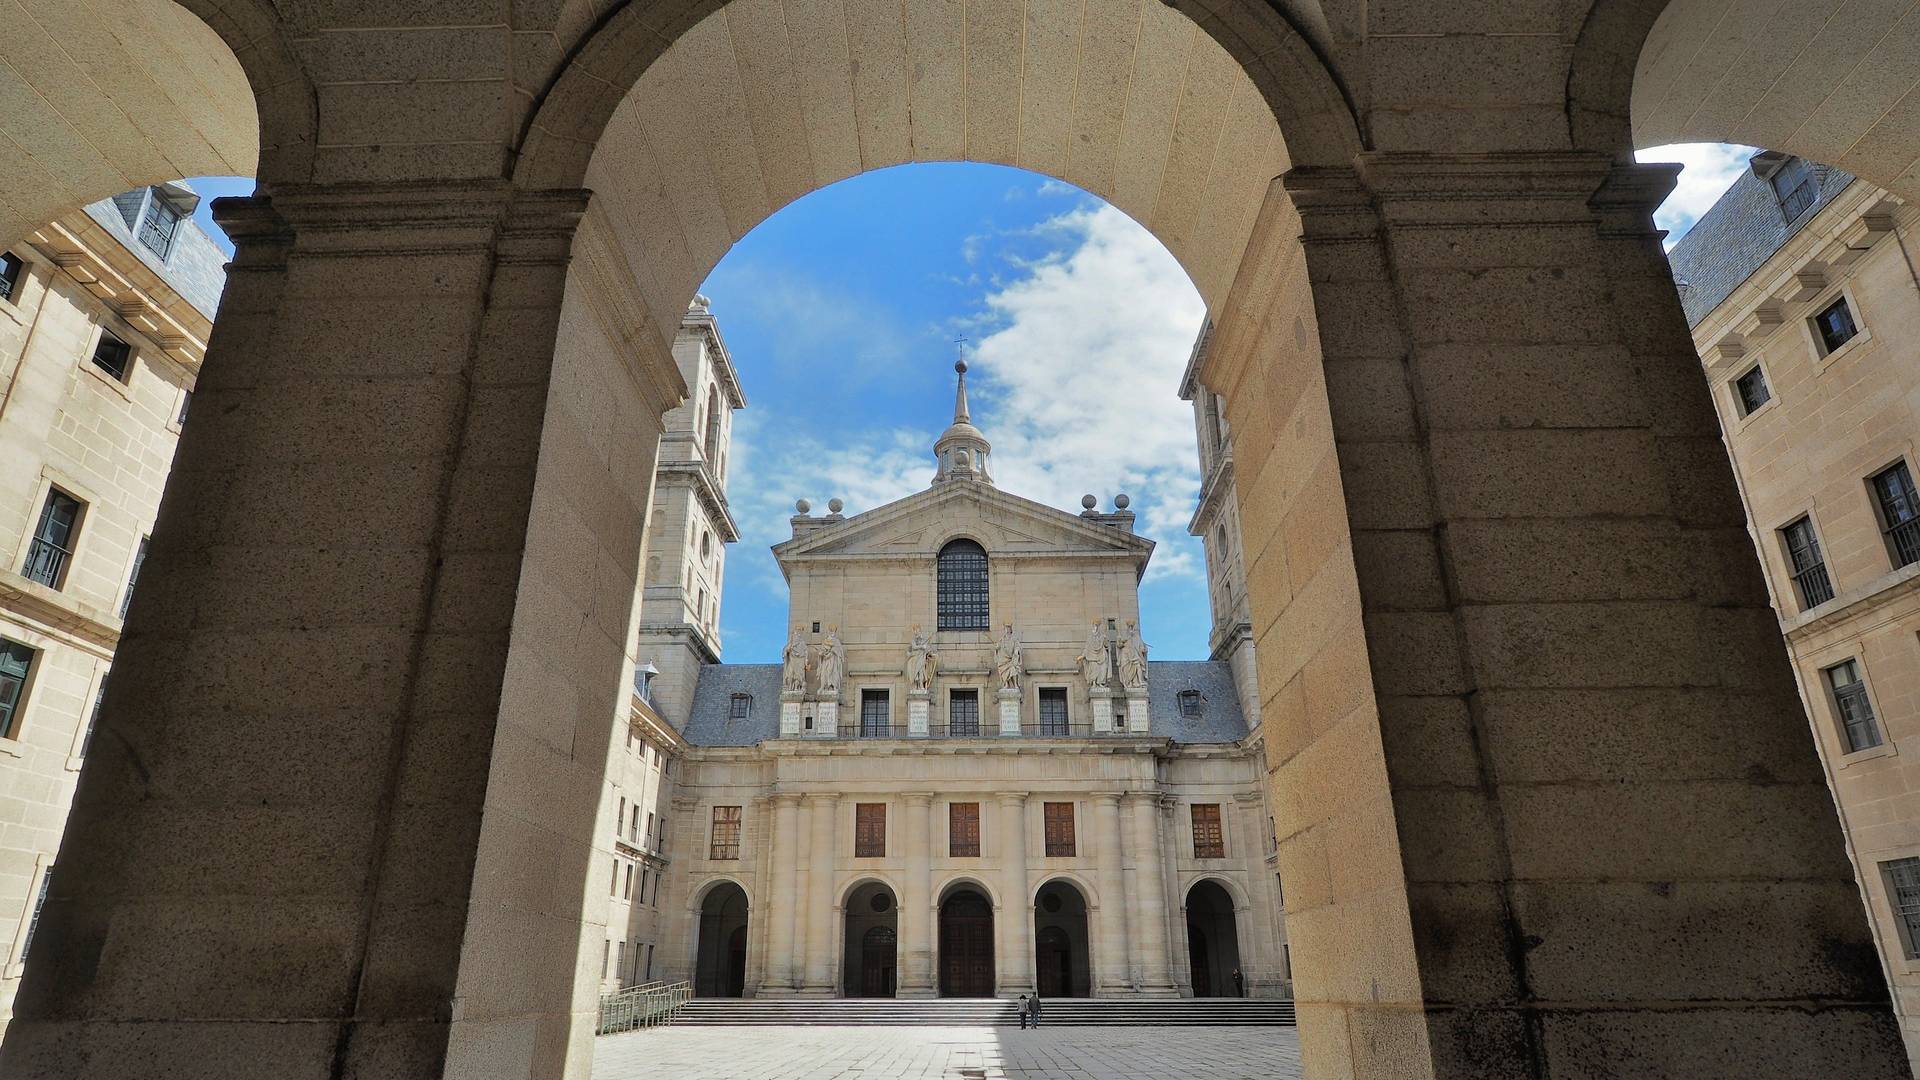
(1809,568)
(726,833)
(875,713)
(1857,724)
(1899,513)
(962,593)
(869,830)
(963,830)
(1053,710)
(1903,895)
(1059,821)
(1208,841)
(963,712)
(53,540)
(16,660)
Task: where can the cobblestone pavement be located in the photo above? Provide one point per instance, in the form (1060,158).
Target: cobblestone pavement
(949,1053)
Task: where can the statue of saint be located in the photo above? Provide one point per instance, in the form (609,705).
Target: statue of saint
(794,675)
(1133,659)
(1007,661)
(922,662)
(1095,662)
(831,664)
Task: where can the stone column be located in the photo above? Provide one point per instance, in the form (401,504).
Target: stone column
(1566,819)
(823,815)
(1259,944)
(1110,973)
(386,468)
(782,905)
(1147,903)
(1014,922)
(916,900)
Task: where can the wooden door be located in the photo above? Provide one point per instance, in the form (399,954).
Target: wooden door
(966,946)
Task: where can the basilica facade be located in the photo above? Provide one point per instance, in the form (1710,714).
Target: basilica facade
(964,779)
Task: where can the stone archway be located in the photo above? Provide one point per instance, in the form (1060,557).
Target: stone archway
(720,947)
(870,924)
(1062,953)
(1213,942)
(966,942)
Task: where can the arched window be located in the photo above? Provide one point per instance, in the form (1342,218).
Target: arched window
(962,569)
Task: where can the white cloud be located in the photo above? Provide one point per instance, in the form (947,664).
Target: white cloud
(1708,169)
(1076,377)
(1051,186)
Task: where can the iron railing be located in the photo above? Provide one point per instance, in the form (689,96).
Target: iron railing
(1816,587)
(46,562)
(985,729)
(1906,541)
(648,1005)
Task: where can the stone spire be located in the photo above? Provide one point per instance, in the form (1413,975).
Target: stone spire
(961,451)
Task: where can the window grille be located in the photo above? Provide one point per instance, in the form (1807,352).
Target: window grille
(133,578)
(1857,723)
(1809,569)
(739,706)
(10,267)
(726,833)
(1053,710)
(1903,894)
(963,830)
(53,540)
(93,719)
(1753,390)
(39,905)
(1208,840)
(869,830)
(875,713)
(1059,823)
(1835,325)
(112,356)
(963,712)
(1899,513)
(961,570)
(16,660)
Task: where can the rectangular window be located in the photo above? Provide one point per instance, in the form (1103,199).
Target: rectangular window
(1835,325)
(613,886)
(1053,710)
(633,825)
(726,833)
(606,958)
(619,957)
(619,815)
(1857,724)
(963,830)
(1809,568)
(33,921)
(1903,895)
(93,718)
(1899,513)
(963,712)
(870,830)
(626,891)
(133,578)
(643,884)
(875,713)
(1753,390)
(53,540)
(158,227)
(739,706)
(649,972)
(186,402)
(10,267)
(1059,821)
(16,660)
(1796,186)
(1208,841)
(656,889)
(112,356)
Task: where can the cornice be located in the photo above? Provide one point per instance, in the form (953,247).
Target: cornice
(144,300)
(1213,493)
(699,477)
(58,612)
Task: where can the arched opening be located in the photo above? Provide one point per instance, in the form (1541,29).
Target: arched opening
(1062,960)
(1213,943)
(869,965)
(720,959)
(966,943)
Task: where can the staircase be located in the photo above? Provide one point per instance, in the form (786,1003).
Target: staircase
(971,1012)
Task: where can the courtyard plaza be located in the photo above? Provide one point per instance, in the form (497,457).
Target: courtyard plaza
(950,1053)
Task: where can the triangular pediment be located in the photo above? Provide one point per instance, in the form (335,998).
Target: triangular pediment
(920,524)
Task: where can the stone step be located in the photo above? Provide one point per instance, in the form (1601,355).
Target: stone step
(860,1012)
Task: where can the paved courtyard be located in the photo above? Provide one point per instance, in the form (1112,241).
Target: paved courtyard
(950,1053)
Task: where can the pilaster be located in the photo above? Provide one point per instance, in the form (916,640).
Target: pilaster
(917,921)
(823,818)
(1015,919)
(1111,977)
(782,906)
(1147,895)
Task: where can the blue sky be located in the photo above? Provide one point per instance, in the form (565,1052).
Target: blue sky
(842,312)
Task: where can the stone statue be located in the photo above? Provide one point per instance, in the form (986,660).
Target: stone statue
(794,675)
(1133,659)
(831,664)
(1007,661)
(922,662)
(1096,662)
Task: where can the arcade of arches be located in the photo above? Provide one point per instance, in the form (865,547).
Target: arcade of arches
(1546,800)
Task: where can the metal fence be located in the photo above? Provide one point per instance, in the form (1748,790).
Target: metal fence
(647,1005)
(985,729)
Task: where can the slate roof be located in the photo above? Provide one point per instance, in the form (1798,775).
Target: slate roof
(1220,719)
(1736,235)
(195,267)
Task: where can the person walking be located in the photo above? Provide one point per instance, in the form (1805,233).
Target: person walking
(1033,1007)
(1023,1012)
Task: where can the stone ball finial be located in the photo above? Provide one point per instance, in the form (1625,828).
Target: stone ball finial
(801,506)
(1121,502)
(960,366)
(1088,502)
(834,506)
